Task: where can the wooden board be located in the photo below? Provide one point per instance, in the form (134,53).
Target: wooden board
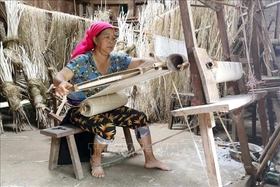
(225,104)
(210,89)
(61,131)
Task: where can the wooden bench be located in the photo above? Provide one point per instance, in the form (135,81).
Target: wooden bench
(178,99)
(68,131)
(56,133)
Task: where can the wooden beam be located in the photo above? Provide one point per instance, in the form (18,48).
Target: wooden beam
(208,143)
(206,122)
(190,41)
(257,73)
(269,155)
(243,139)
(271,5)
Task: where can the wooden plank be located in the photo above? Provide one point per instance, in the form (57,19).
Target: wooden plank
(61,131)
(225,104)
(209,85)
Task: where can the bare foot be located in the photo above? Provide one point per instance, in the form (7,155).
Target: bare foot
(96,170)
(157,164)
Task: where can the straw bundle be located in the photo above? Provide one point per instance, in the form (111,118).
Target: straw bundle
(102,14)
(61,42)
(131,41)
(122,29)
(32,38)
(11,40)
(37,89)
(12,92)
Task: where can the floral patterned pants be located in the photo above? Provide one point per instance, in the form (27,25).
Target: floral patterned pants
(104,124)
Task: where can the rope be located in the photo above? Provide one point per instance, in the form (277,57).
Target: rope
(230,139)
(126,155)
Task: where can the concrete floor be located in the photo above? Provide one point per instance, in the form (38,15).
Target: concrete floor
(24,162)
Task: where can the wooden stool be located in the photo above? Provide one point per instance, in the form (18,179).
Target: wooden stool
(56,133)
(185,99)
(68,131)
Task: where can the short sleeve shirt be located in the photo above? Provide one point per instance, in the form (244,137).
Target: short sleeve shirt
(84,69)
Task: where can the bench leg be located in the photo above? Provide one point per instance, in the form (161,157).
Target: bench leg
(128,139)
(53,158)
(75,157)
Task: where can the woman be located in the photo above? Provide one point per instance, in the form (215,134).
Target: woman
(93,58)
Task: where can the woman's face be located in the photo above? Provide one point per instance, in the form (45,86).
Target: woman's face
(105,41)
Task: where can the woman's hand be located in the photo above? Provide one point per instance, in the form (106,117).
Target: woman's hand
(63,88)
(60,81)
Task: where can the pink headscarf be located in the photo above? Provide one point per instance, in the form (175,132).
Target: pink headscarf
(87,43)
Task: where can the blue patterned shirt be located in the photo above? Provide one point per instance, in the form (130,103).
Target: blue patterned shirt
(84,69)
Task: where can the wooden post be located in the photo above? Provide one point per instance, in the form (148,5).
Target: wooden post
(257,72)
(205,120)
(254,121)
(131,8)
(243,139)
(237,115)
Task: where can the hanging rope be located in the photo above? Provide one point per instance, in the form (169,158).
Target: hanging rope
(252,81)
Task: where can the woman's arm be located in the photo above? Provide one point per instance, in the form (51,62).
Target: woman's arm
(135,62)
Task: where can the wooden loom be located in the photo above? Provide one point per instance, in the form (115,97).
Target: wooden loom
(210,76)
(204,89)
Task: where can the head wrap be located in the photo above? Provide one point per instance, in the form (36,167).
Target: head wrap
(87,43)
